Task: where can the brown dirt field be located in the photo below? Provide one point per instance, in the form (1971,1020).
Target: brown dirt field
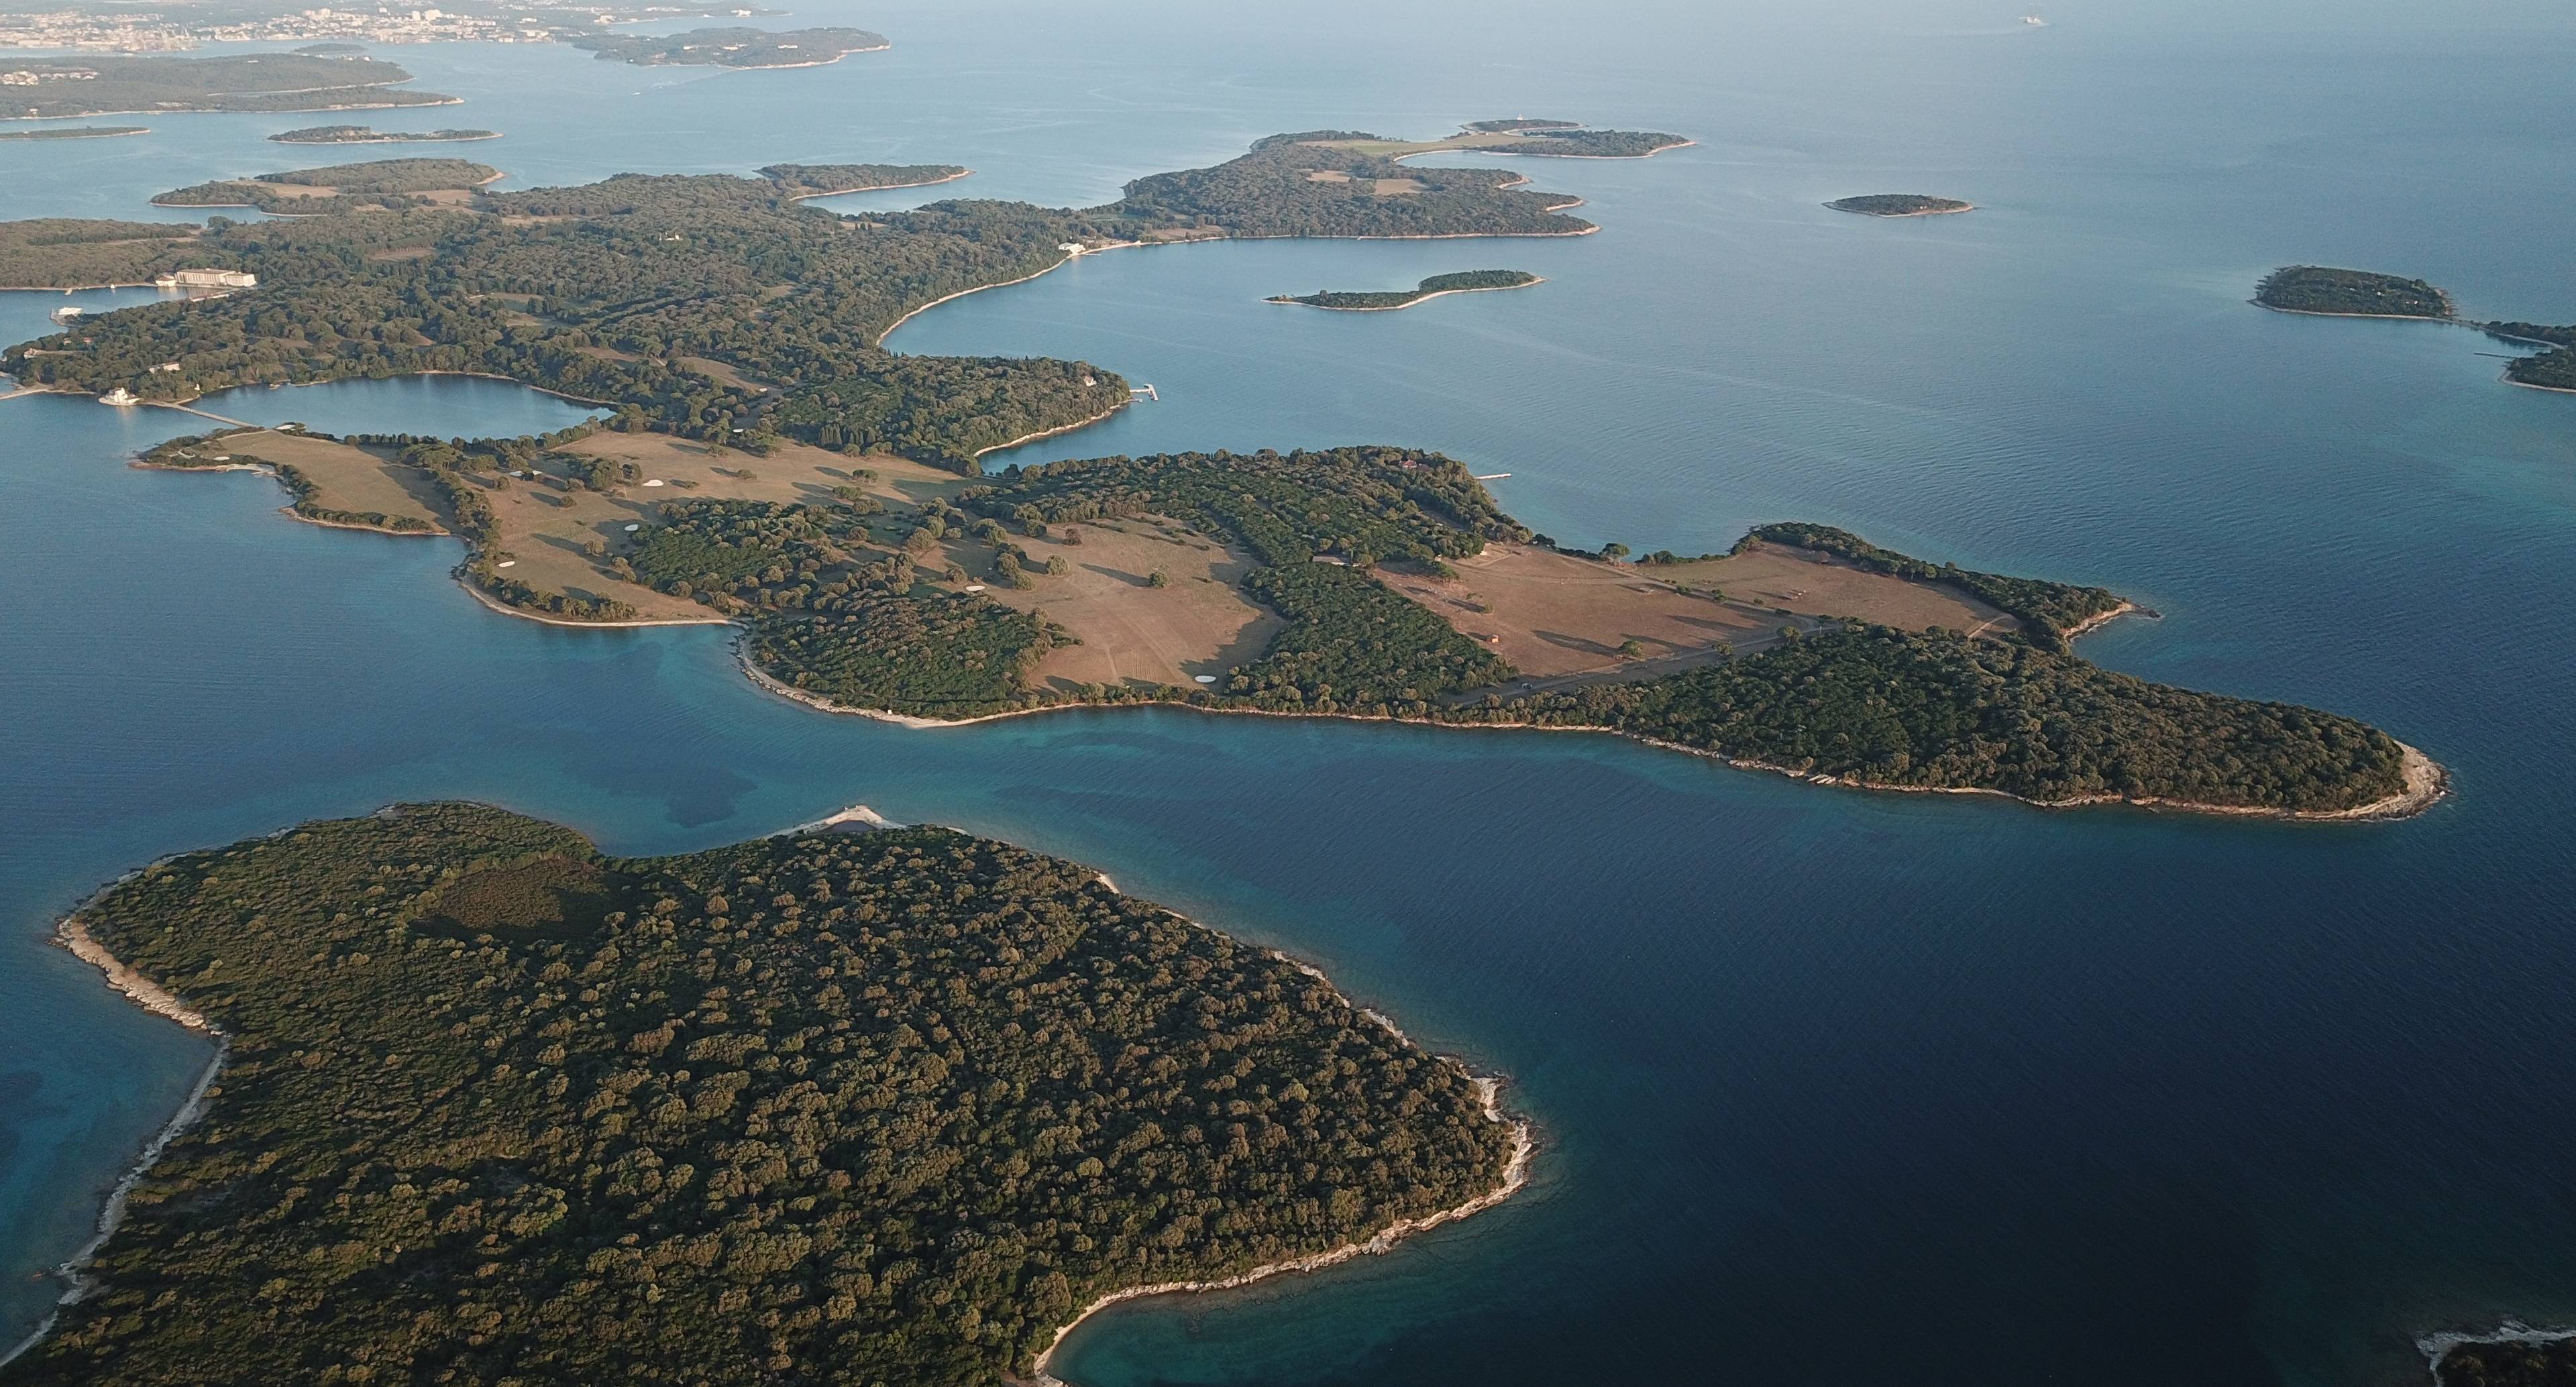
(1810,584)
(1556,617)
(1397,187)
(344,477)
(1327,176)
(717,370)
(791,472)
(291,189)
(1132,632)
(541,532)
(544,529)
(1553,614)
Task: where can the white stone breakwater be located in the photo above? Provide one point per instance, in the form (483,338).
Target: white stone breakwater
(158,1000)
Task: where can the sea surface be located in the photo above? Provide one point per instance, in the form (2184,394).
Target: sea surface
(1831,1085)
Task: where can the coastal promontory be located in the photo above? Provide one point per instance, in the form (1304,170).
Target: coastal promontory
(1367,300)
(499,1107)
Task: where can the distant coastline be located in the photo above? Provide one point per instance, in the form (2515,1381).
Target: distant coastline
(359,134)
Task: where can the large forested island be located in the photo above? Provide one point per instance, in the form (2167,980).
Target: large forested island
(360,134)
(122,85)
(76,132)
(887,1106)
(733,47)
(1365,300)
(2335,293)
(1900,205)
(766,461)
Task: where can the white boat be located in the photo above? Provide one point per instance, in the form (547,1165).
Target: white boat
(66,313)
(2035,21)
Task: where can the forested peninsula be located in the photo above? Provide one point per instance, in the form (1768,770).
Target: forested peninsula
(736,338)
(1366,300)
(888,1106)
(2334,293)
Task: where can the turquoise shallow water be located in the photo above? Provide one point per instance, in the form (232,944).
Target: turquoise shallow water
(1932,1089)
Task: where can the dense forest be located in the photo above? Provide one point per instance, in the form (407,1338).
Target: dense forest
(1463,281)
(253,82)
(740,47)
(2318,289)
(360,134)
(1941,710)
(2508,1363)
(937,655)
(2047,610)
(1354,644)
(64,253)
(1898,205)
(1357,504)
(883,1107)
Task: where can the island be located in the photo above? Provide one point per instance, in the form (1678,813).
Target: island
(382,184)
(1547,139)
(1901,205)
(47,88)
(2350,294)
(1366,301)
(763,460)
(77,132)
(740,48)
(359,134)
(2334,293)
(487,1103)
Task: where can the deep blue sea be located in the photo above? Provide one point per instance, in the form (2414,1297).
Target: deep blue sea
(1833,1086)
